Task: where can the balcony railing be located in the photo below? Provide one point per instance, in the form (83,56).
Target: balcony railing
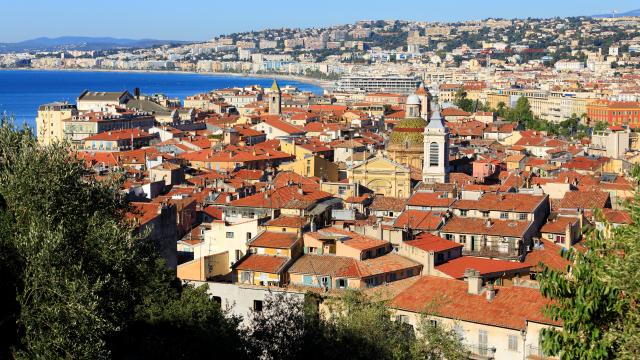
(537,352)
(480,351)
(494,251)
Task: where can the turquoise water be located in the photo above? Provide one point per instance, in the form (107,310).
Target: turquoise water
(22,91)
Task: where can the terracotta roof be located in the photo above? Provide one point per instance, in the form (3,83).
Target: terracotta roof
(503,202)
(511,308)
(549,254)
(247,174)
(271,239)
(284,126)
(387,203)
(430,242)
(430,199)
(144,212)
(287,221)
(418,220)
(386,263)
(352,239)
(281,198)
(617,216)
(261,263)
(585,200)
(456,267)
(558,225)
(336,266)
(453,111)
(462,225)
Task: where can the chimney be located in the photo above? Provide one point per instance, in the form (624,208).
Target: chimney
(474,281)
(488,223)
(227,199)
(491,292)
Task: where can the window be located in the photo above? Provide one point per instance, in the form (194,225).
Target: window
(307,280)
(248,236)
(485,214)
(324,281)
(341,283)
(217,299)
(483,340)
(463,212)
(238,255)
(463,239)
(433,323)
(257,305)
(434,152)
(513,343)
(559,239)
(229,234)
(522,216)
(449,236)
(245,277)
(504,216)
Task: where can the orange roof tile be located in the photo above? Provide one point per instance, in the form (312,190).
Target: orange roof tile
(511,308)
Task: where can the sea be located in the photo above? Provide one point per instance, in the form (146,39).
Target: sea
(23,91)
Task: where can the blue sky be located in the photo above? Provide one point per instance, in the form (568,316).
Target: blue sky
(202,19)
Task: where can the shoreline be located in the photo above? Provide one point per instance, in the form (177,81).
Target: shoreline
(322,84)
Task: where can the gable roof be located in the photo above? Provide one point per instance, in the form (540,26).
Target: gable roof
(430,242)
(261,263)
(511,308)
(456,267)
(276,240)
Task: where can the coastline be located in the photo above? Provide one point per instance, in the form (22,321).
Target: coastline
(323,84)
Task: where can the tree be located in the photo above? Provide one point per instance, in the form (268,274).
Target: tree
(77,283)
(357,325)
(600,126)
(461,101)
(598,303)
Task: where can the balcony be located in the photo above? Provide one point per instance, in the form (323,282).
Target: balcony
(480,351)
(508,252)
(536,352)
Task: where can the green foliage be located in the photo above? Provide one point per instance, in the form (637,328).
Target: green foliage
(289,328)
(598,303)
(461,101)
(600,126)
(571,127)
(77,283)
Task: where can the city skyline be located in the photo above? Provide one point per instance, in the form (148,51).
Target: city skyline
(185,23)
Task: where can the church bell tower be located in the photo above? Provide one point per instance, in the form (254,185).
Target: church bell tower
(436,150)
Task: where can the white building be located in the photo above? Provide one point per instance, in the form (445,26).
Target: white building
(436,150)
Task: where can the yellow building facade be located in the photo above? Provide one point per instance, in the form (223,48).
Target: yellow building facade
(50,121)
(383,176)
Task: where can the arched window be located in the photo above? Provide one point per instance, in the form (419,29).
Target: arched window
(434,152)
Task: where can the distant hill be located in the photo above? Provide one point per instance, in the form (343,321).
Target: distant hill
(628,13)
(80,43)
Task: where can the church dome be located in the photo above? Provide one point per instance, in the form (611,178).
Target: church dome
(408,132)
(413,99)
